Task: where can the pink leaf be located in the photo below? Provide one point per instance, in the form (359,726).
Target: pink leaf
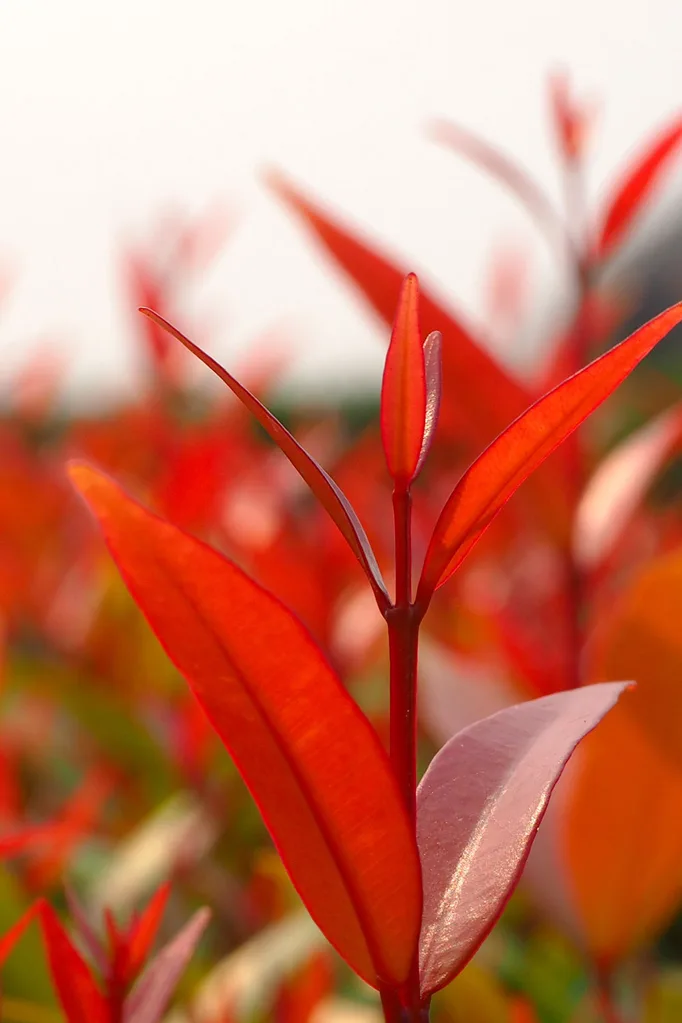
(434,380)
(148,1000)
(479,806)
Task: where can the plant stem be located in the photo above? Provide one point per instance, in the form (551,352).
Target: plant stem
(403,621)
(607,1007)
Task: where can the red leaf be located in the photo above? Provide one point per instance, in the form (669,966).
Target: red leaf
(479,806)
(144,930)
(148,1000)
(499,471)
(434,381)
(80,997)
(311,759)
(572,120)
(321,484)
(638,183)
(403,391)
(479,397)
(509,174)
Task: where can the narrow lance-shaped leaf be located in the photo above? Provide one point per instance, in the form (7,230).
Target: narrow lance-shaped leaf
(148,1000)
(479,807)
(310,757)
(434,381)
(508,173)
(12,936)
(479,397)
(501,469)
(634,189)
(403,391)
(321,484)
(143,930)
(80,997)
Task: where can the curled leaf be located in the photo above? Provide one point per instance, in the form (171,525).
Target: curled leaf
(489,483)
(479,806)
(311,759)
(434,384)
(403,391)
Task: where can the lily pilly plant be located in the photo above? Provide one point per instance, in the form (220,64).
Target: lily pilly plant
(405,880)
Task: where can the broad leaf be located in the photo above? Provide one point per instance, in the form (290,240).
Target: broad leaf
(489,483)
(149,998)
(80,997)
(313,763)
(321,484)
(403,391)
(634,189)
(622,837)
(640,632)
(479,806)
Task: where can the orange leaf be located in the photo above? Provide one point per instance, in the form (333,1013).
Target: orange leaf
(489,483)
(309,756)
(403,392)
(638,183)
(622,836)
(641,638)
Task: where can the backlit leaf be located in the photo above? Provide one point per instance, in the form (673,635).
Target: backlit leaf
(499,471)
(479,806)
(321,484)
(403,391)
(309,756)
(636,186)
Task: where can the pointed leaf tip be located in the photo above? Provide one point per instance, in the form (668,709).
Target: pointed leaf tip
(403,392)
(479,806)
(496,474)
(310,758)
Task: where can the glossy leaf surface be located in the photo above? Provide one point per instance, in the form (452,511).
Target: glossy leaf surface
(637,185)
(309,756)
(403,391)
(79,995)
(433,371)
(321,484)
(147,1002)
(479,806)
(622,837)
(496,474)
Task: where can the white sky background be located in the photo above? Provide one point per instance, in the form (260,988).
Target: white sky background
(112,112)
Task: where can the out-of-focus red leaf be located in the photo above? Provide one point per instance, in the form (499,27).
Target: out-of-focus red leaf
(508,173)
(314,475)
(403,391)
(479,397)
(11,937)
(310,757)
(619,484)
(80,997)
(148,1000)
(636,186)
(479,806)
(495,475)
(144,930)
(433,370)
(572,121)
(86,932)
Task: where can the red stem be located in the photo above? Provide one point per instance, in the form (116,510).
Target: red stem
(403,622)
